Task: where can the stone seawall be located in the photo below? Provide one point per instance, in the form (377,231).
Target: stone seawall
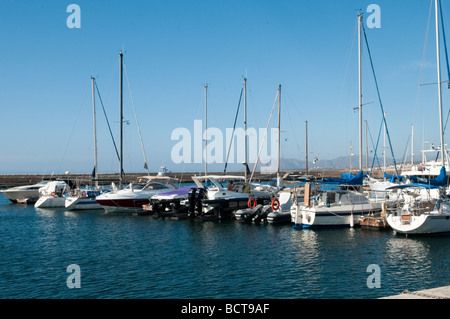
(26,179)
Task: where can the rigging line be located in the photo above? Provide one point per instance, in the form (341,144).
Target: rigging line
(265,134)
(445,44)
(423,56)
(375,156)
(234,126)
(107,121)
(137,122)
(406,149)
(379,98)
(446,58)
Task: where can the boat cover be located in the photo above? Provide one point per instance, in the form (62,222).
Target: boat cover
(440,180)
(347,179)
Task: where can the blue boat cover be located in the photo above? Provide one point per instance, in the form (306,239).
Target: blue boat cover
(347,179)
(394,178)
(440,180)
(401,186)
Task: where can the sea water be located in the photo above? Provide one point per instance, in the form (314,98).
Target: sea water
(129,256)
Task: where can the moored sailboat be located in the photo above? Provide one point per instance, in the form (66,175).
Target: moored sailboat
(435,218)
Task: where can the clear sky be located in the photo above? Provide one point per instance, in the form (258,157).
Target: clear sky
(173,48)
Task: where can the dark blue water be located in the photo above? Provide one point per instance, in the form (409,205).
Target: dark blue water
(141,257)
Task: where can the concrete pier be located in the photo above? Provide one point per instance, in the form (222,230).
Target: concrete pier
(434,293)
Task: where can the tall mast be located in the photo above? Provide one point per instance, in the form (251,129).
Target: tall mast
(245,129)
(306,143)
(412,145)
(121,119)
(384,144)
(206,128)
(95,134)
(360,93)
(439,82)
(279,135)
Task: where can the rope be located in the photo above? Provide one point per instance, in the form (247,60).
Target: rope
(137,122)
(232,135)
(265,134)
(445,44)
(106,117)
(375,156)
(379,99)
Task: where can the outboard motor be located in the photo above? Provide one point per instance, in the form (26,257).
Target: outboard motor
(201,194)
(191,201)
(261,216)
(254,212)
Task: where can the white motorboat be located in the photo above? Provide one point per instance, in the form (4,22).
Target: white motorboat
(53,195)
(83,199)
(135,195)
(23,194)
(418,209)
(281,211)
(277,211)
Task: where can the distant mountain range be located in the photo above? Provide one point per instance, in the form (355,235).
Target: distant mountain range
(293,164)
(336,163)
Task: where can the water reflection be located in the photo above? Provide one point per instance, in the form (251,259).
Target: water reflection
(407,260)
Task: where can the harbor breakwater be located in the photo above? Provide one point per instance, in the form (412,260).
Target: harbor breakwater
(186,177)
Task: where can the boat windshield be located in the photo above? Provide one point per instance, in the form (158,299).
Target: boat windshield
(154,186)
(134,186)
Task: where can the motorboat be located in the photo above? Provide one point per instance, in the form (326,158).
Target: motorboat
(169,204)
(418,209)
(212,200)
(53,195)
(281,210)
(132,198)
(83,199)
(24,193)
(277,211)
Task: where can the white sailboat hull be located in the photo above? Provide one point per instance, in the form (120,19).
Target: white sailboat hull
(427,223)
(333,216)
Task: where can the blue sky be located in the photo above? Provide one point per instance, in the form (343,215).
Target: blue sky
(172,48)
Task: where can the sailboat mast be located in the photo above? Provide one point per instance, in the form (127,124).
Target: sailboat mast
(245,129)
(279,135)
(95,134)
(360,92)
(121,118)
(439,83)
(412,145)
(206,128)
(306,146)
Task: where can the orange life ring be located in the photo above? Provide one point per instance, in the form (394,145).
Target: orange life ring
(275,204)
(53,194)
(251,202)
